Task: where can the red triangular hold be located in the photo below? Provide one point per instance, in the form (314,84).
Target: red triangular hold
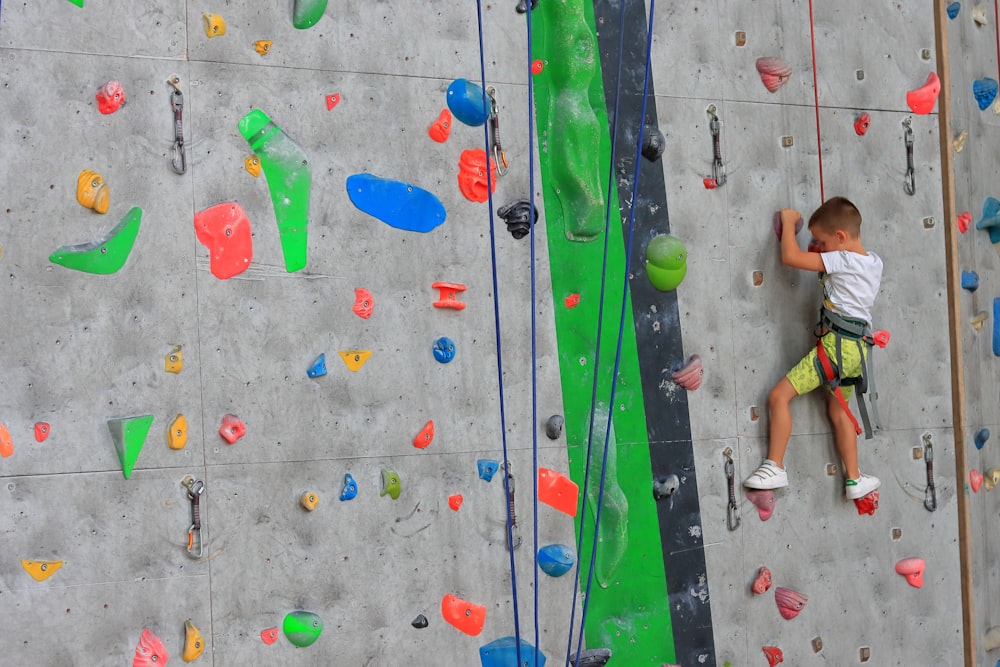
(332,101)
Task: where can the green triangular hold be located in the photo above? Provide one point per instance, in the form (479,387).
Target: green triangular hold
(129,435)
(78,3)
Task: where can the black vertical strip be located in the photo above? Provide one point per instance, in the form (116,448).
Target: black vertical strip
(659,347)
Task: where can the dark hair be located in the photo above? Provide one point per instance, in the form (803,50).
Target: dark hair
(837,214)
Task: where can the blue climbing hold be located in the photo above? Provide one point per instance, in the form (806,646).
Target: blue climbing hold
(467,102)
(503,653)
(318,368)
(350,487)
(985,90)
(395,203)
(444,349)
(970,280)
(982,435)
(555,559)
(487,469)
(990,219)
(953,9)
(996,327)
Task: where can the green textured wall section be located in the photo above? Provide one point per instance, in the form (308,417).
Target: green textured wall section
(628,609)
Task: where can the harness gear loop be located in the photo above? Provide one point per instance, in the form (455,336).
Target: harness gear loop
(195,546)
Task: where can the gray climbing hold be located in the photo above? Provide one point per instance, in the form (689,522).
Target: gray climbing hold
(554,427)
(653,143)
(664,486)
(420,622)
(592,657)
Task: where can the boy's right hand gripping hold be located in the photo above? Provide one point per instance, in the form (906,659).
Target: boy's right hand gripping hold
(787,216)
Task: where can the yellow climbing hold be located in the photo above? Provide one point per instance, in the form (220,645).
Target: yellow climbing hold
(309,500)
(177,433)
(991,478)
(174,361)
(959,142)
(252,165)
(355,359)
(215,25)
(40,570)
(978,319)
(92,191)
(262,46)
(194,643)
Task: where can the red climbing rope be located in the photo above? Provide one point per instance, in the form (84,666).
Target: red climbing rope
(819,138)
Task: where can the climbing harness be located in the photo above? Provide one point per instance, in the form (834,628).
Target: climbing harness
(858,332)
(178,160)
(718,169)
(909,186)
(732,516)
(499,156)
(513,536)
(195,489)
(930,493)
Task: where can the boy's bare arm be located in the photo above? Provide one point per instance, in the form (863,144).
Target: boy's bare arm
(791,254)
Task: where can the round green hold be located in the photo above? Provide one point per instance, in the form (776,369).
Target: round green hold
(666,262)
(302,628)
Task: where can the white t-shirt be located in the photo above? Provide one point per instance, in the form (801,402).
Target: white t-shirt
(851,282)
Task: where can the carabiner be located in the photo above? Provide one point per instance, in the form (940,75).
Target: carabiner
(499,156)
(513,537)
(195,489)
(909,186)
(178,160)
(732,510)
(718,168)
(930,493)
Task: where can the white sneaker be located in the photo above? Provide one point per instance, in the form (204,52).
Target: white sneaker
(860,487)
(767,476)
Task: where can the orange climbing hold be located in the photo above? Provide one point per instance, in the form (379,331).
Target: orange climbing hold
(332,101)
(6,442)
(269,636)
(472,175)
(42,430)
(455,501)
(425,436)
(448,295)
(557,490)
(922,99)
(467,617)
(355,359)
(774,655)
(40,570)
(232,428)
(537,66)
(440,129)
(364,303)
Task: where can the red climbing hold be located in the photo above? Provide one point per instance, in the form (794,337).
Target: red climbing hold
(269,636)
(537,66)
(573,300)
(774,72)
(975,480)
(448,295)
(763,581)
(472,175)
(41,431)
(789,602)
(913,570)
(364,303)
(425,436)
(922,99)
(963,220)
(691,375)
(232,428)
(774,655)
(558,491)
(6,442)
(225,230)
(440,129)
(332,101)
(710,183)
(764,501)
(867,504)
(110,97)
(467,617)
(455,501)
(862,123)
(881,338)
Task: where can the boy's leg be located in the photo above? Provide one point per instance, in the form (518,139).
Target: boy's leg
(844,437)
(771,474)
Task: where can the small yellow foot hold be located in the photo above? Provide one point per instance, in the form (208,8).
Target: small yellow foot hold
(40,570)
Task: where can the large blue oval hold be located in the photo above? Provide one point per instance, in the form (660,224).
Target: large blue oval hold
(395,203)
(555,559)
(503,653)
(467,102)
(985,91)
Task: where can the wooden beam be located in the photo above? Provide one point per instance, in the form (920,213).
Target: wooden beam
(955,332)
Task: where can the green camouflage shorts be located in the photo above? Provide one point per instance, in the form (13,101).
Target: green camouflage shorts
(804,376)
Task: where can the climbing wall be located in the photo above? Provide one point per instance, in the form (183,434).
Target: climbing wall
(357,93)
(973,57)
(751,319)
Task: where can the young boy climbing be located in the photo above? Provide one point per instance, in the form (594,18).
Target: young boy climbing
(850,277)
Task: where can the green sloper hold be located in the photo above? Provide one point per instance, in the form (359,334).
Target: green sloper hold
(390,484)
(129,435)
(104,256)
(288,178)
(666,262)
(302,627)
(307,13)
(78,3)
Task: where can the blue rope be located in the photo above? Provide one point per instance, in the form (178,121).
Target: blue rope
(534,337)
(621,323)
(600,318)
(496,319)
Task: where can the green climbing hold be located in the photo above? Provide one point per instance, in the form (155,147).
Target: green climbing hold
(666,262)
(390,484)
(129,434)
(78,3)
(288,178)
(104,256)
(307,13)
(302,628)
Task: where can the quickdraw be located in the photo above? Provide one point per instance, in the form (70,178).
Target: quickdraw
(195,489)
(178,161)
(930,493)
(909,186)
(499,156)
(732,515)
(513,537)
(718,178)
